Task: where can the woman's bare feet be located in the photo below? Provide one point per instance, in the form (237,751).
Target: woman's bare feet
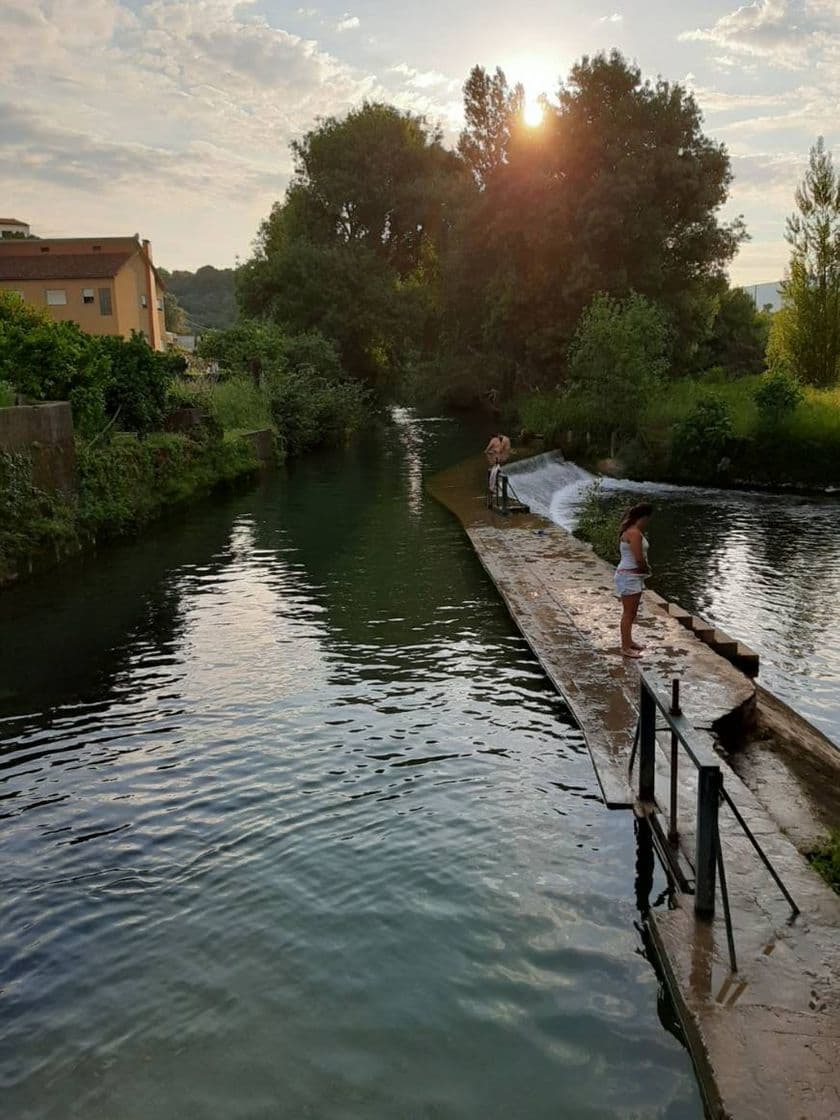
(635,645)
(630,653)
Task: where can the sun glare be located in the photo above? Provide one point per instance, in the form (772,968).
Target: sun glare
(532,113)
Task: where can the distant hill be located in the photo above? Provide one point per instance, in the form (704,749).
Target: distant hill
(207,296)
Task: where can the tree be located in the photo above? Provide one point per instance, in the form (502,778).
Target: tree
(618,191)
(175,316)
(491,109)
(737,340)
(617,358)
(353,251)
(806,331)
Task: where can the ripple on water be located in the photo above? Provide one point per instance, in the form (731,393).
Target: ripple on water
(308,834)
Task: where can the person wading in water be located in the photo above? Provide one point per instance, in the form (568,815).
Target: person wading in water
(632,571)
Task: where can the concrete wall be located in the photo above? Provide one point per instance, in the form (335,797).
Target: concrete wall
(44,431)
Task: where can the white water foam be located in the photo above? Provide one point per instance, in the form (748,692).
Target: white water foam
(554,488)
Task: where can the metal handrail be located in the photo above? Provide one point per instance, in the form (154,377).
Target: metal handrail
(708,864)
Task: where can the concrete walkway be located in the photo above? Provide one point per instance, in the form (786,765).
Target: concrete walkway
(765,1041)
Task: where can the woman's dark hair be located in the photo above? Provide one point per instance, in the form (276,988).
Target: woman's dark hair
(634,514)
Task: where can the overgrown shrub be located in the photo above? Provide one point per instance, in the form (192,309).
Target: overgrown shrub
(239,405)
(30,518)
(309,411)
(7,394)
(599,519)
(126,482)
(100,377)
(138,380)
(702,438)
(826,859)
(777,396)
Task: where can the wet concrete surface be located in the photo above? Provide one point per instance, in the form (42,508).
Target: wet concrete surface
(765,1040)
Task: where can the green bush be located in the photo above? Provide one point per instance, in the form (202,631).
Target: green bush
(7,394)
(702,438)
(239,405)
(826,859)
(777,396)
(127,482)
(599,520)
(100,377)
(138,382)
(309,411)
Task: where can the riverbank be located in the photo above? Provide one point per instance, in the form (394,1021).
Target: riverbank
(709,432)
(120,487)
(761,1038)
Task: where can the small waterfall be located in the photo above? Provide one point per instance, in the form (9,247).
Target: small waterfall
(553,487)
(550,485)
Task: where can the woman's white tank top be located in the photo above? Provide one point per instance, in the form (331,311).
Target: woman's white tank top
(628,561)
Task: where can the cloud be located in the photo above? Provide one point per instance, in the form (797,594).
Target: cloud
(138,114)
(615,17)
(348,23)
(786,33)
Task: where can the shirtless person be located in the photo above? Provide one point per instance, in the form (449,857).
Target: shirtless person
(493,450)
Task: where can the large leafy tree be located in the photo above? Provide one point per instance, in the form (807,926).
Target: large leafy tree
(806,331)
(354,248)
(618,191)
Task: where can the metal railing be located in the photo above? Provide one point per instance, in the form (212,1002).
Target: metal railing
(501,496)
(711,793)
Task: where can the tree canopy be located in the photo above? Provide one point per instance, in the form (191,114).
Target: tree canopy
(474,267)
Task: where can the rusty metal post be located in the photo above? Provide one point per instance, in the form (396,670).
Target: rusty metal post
(647,745)
(709,785)
(504,493)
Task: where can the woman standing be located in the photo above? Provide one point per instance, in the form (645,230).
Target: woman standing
(632,571)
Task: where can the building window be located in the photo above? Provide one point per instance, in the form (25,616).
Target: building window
(56,297)
(105,301)
(45,248)
(88,295)
(96,248)
(144,302)
(159,305)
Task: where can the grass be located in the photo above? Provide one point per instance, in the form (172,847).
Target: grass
(826,859)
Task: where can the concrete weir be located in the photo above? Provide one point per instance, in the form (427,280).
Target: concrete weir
(764,1039)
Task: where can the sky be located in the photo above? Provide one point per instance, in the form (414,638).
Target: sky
(173,118)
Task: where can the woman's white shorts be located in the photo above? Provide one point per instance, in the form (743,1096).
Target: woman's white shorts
(628,583)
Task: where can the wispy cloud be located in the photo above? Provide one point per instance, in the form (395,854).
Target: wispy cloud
(614,17)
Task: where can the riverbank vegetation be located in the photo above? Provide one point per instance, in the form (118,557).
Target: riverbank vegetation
(136,455)
(825,858)
(571,276)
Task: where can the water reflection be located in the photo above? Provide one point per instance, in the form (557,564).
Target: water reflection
(303,831)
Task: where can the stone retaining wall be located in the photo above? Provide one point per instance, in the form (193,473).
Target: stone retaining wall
(44,431)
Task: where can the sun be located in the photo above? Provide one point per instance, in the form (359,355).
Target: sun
(532,112)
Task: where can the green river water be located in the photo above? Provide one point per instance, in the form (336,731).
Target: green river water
(294,827)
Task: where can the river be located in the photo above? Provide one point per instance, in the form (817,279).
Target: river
(293,826)
(763,567)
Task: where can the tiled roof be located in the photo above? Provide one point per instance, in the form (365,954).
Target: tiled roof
(12,222)
(65,266)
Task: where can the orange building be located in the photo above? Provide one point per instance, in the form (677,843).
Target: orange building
(107,285)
